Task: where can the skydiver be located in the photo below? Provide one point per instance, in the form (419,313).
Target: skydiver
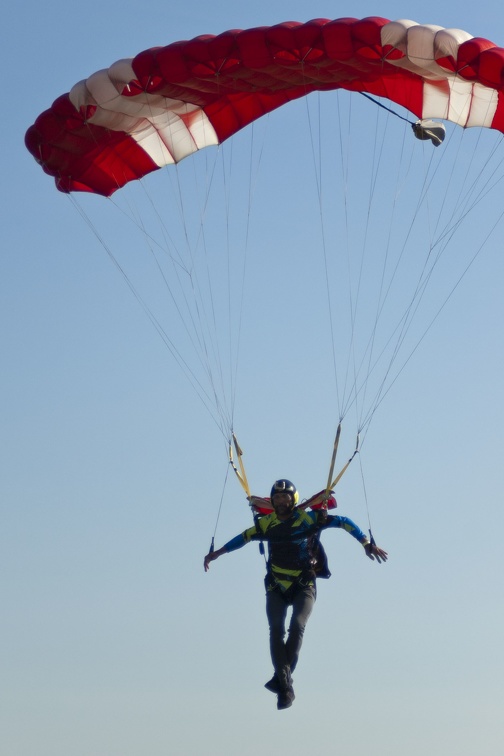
(292,536)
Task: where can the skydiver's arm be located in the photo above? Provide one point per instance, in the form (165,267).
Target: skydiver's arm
(336,521)
(212,556)
(235,543)
(372,550)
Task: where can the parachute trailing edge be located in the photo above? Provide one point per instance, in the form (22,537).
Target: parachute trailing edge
(166,103)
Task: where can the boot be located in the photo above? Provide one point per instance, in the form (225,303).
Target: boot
(273,685)
(286,698)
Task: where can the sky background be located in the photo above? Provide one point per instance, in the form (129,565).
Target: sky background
(114,641)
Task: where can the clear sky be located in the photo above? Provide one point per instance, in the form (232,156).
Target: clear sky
(114,641)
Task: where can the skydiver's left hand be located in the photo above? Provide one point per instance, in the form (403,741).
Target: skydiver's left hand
(374,552)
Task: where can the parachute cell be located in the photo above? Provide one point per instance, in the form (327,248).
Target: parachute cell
(166,103)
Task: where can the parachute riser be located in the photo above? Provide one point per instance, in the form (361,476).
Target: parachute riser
(239,470)
(331,483)
(240,473)
(333,459)
(343,470)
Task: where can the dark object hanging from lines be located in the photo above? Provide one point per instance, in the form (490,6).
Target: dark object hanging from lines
(427,129)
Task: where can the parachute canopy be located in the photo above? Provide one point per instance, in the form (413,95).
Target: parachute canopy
(168,102)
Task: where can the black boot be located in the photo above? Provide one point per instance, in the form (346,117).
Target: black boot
(273,685)
(286,692)
(286,698)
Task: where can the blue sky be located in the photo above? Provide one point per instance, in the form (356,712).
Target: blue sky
(115,642)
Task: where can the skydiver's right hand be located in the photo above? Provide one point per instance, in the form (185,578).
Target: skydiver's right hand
(211,556)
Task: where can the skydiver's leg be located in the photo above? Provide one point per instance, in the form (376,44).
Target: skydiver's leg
(276,611)
(302,606)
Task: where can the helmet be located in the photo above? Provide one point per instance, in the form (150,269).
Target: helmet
(285,486)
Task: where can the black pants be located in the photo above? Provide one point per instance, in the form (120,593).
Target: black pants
(284,655)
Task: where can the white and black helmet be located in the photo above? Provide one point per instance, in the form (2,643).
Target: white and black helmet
(285,486)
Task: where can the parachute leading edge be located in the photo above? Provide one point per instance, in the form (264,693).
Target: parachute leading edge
(166,103)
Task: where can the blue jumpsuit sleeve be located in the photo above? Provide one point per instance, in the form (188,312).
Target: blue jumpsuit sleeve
(235,543)
(335,521)
(240,540)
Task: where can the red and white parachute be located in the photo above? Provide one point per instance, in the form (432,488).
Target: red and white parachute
(165,104)
(161,106)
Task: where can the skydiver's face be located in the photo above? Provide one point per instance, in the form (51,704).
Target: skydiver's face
(282,504)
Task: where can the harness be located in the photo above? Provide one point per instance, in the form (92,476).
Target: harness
(312,567)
